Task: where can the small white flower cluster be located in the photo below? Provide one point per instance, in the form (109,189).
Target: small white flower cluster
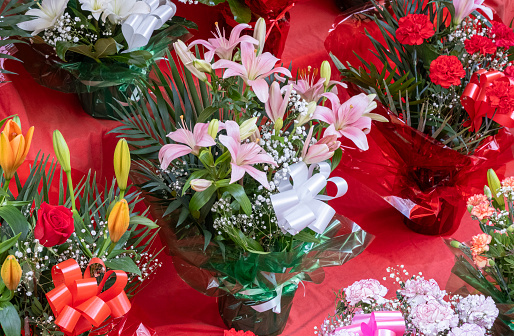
(298,106)
(147,264)
(189,2)
(500,218)
(507,191)
(65,31)
(467,28)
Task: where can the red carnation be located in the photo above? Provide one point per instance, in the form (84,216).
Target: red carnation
(446,71)
(501,95)
(503,36)
(482,44)
(413,29)
(233,332)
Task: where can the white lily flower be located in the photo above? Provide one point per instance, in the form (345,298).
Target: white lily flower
(96,7)
(121,9)
(47,14)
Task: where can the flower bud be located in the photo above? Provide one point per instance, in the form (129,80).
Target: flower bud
(213,128)
(200,184)
(202,65)
(510,229)
(259,33)
(325,72)
(455,244)
(14,147)
(487,192)
(247,128)
(491,262)
(494,184)
(470,208)
(118,220)
(122,163)
(61,150)
(305,117)
(11,273)
(278,125)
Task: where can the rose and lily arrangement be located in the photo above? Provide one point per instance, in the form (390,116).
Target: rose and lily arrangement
(447,70)
(419,307)
(54,246)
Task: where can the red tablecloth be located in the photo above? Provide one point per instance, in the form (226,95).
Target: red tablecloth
(167,303)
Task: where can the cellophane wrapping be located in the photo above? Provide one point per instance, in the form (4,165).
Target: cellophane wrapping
(123,326)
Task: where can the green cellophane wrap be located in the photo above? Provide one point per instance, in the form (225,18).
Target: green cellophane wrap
(467,279)
(271,279)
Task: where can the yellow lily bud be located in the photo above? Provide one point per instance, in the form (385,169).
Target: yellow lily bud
(494,184)
(61,150)
(247,128)
(259,33)
(325,72)
(118,220)
(278,125)
(122,163)
(11,273)
(14,148)
(202,66)
(213,128)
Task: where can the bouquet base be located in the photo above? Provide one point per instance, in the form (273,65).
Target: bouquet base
(239,314)
(99,102)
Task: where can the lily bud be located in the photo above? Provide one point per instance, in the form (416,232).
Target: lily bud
(259,33)
(122,163)
(455,244)
(487,192)
(325,72)
(14,147)
(11,273)
(202,65)
(305,117)
(278,125)
(213,128)
(494,184)
(200,184)
(187,59)
(118,220)
(61,150)
(247,128)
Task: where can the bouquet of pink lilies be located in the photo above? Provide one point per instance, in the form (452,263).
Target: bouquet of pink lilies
(245,165)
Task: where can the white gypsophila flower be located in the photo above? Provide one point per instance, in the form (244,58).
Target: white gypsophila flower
(47,14)
(478,309)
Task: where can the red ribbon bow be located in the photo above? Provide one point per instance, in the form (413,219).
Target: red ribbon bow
(475,102)
(78,302)
(382,323)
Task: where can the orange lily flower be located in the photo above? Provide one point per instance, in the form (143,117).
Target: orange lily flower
(11,273)
(14,147)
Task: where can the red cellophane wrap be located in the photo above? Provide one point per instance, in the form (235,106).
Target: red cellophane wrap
(123,326)
(423,179)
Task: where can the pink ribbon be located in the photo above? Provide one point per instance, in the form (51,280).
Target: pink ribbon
(383,323)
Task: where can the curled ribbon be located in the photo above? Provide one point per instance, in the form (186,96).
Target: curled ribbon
(475,101)
(78,302)
(299,205)
(382,323)
(138,28)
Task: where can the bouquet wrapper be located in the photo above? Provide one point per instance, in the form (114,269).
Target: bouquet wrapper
(260,286)
(423,179)
(123,326)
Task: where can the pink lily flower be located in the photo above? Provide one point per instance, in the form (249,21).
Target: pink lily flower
(350,119)
(221,46)
(192,141)
(463,8)
(312,90)
(254,69)
(277,104)
(321,150)
(245,155)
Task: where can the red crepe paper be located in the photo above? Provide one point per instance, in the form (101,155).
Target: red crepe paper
(78,302)
(477,103)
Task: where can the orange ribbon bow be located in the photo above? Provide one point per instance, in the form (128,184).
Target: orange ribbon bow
(476,103)
(78,302)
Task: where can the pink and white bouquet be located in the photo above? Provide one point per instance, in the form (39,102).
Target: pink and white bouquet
(420,307)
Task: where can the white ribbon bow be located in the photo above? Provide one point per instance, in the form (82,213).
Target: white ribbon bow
(138,28)
(298,205)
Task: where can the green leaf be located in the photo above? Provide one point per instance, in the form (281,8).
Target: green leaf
(140,220)
(6,245)
(201,198)
(138,58)
(9,319)
(206,158)
(238,192)
(206,113)
(207,236)
(15,219)
(103,47)
(307,237)
(124,264)
(241,12)
(336,159)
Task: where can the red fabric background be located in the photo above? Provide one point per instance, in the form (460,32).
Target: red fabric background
(167,304)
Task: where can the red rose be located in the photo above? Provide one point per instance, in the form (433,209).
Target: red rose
(482,44)
(446,71)
(54,225)
(502,35)
(501,95)
(233,332)
(413,29)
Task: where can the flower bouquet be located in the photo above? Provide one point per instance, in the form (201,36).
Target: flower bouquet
(98,48)
(485,263)
(58,249)
(234,164)
(442,70)
(420,307)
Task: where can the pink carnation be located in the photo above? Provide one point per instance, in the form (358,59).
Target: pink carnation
(480,243)
(480,261)
(482,211)
(477,200)
(366,290)
(467,329)
(508,182)
(433,317)
(418,291)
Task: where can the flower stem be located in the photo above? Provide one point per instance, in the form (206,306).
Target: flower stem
(6,189)
(72,192)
